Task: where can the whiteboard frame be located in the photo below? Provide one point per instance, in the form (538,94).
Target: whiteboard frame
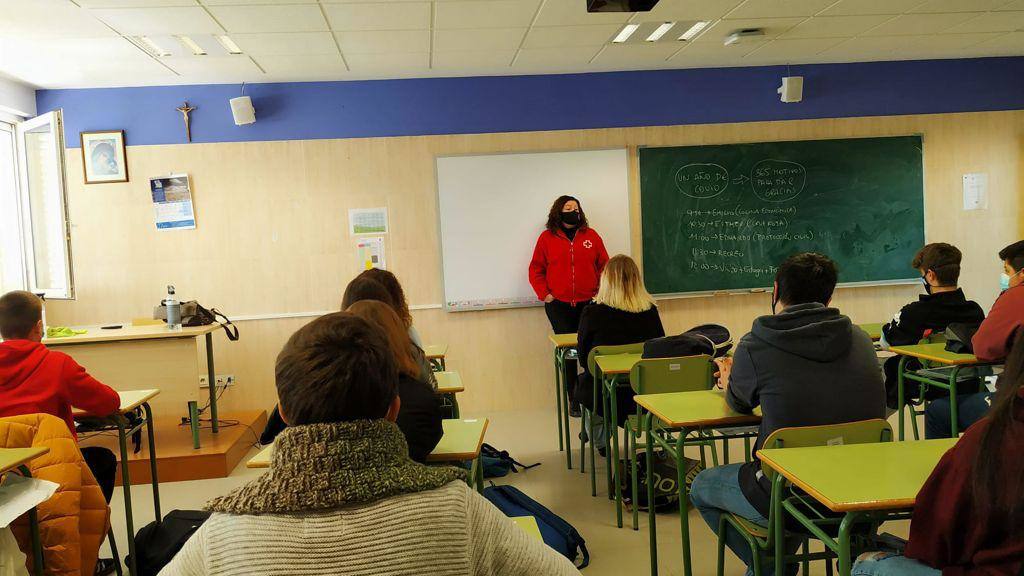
(440,239)
(737,291)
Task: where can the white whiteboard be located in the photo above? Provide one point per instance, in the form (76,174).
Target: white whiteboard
(493,208)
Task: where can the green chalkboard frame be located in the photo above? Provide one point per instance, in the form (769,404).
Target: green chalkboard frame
(859,200)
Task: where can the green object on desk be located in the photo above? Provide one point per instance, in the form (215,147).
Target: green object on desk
(62,332)
(874,330)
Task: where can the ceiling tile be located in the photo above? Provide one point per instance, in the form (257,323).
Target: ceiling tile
(484,39)
(74,62)
(563,13)
(236,19)
(717,53)
(563,58)
(638,55)
(779,8)
(918,24)
(953,41)
(248,2)
(992,22)
(286,43)
(132,3)
(384,41)
(381,63)
(1005,44)
(558,36)
(794,50)
(937,6)
(307,67)
(690,9)
(1014,5)
(394,16)
(235,66)
(858,7)
(773,27)
(865,48)
(467,61)
(49,19)
(132,21)
(491,14)
(835,26)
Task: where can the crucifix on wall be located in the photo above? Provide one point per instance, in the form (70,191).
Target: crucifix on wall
(185,109)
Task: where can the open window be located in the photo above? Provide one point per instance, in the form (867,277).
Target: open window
(45,233)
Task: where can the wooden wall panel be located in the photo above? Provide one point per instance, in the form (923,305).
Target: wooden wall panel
(272,237)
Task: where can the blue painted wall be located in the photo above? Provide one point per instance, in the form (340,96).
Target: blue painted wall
(295,111)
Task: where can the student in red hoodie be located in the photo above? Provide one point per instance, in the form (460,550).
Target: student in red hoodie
(34,379)
(969,515)
(990,343)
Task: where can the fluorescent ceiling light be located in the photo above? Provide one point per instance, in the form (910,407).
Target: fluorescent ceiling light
(153,48)
(693,31)
(229,44)
(191,45)
(660,31)
(625,33)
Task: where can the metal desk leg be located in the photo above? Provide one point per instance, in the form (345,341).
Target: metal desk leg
(616,480)
(566,382)
(126,489)
(33,528)
(558,399)
(651,521)
(901,404)
(212,375)
(954,425)
(152,461)
(479,476)
(845,561)
(607,433)
(684,501)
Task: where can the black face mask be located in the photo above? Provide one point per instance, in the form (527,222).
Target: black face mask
(570,218)
(775,303)
(927,286)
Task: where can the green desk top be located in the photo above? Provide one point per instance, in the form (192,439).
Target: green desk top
(617,363)
(563,340)
(461,440)
(873,330)
(882,476)
(11,458)
(433,351)
(448,382)
(935,353)
(695,409)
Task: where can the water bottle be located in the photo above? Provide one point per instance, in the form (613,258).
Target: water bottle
(173,309)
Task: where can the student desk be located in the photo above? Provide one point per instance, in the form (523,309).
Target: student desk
(131,356)
(435,354)
(937,354)
(448,385)
(461,442)
(864,482)
(131,400)
(682,412)
(874,330)
(564,344)
(12,459)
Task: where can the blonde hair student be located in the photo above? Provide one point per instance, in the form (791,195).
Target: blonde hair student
(621,286)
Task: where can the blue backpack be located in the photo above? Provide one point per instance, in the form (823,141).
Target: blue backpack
(556,532)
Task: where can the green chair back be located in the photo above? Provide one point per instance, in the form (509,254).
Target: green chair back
(682,374)
(610,350)
(862,432)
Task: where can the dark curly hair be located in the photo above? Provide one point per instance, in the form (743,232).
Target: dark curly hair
(554,218)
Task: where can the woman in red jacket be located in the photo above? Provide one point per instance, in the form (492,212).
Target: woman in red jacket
(969,515)
(566,269)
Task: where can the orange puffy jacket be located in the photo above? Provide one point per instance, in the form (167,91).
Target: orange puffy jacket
(74,521)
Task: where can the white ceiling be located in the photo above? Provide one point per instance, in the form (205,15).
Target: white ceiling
(86,43)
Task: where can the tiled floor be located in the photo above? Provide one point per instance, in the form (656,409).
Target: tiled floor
(530,437)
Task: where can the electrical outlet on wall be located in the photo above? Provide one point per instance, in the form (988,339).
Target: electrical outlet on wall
(223,381)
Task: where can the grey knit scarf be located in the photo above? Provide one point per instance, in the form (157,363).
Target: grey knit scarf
(324,466)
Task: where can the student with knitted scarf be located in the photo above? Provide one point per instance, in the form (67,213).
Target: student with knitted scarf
(342,495)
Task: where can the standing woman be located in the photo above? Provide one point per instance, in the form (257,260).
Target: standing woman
(566,269)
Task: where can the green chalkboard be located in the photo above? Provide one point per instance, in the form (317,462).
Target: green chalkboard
(719,218)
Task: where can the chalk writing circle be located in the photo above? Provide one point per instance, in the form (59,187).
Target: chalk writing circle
(778,180)
(702,180)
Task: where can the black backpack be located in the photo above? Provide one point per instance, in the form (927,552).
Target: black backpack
(958,337)
(157,543)
(710,339)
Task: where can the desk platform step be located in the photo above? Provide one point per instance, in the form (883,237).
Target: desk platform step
(177,461)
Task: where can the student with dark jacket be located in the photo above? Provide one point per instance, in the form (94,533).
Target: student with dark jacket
(622,313)
(806,365)
(969,517)
(990,343)
(943,304)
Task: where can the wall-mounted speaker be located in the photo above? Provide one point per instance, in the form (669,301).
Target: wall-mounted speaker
(242,110)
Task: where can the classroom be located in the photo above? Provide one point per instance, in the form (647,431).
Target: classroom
(355,286)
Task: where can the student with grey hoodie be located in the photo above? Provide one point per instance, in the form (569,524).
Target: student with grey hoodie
(804,365)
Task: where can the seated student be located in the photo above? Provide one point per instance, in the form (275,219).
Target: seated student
(622,313)
(419,418)
(943,304)
(34,379)
(969,517)
(390,283)
(990,343)
(342,495)
(806,365)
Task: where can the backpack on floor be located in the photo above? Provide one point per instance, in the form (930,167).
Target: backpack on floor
(666,491)
(556,532)
(498,463)
(156,544)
